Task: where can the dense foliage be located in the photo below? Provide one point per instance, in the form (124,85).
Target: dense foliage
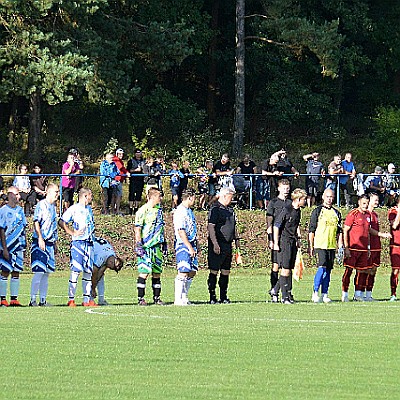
(317,73)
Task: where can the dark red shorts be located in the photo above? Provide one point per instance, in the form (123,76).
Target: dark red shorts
(358,259)
(375,259)
(395,256)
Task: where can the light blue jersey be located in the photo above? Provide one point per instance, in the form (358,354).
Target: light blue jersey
(102,251)
(184,219)
(82,219)
(13,221)
(46,215)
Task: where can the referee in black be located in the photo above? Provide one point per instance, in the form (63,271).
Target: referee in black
(287,241)
(221,233)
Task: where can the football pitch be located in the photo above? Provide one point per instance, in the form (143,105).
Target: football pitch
(244,350)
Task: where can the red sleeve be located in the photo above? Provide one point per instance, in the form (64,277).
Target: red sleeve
(392,214)
(350,218)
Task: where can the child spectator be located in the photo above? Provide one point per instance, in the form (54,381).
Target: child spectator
(23,184)
(204,183)
(183,184)
(176,176)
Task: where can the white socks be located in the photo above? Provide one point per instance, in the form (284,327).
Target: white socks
(86,286)
(14,287)
(73,281)
(180,290)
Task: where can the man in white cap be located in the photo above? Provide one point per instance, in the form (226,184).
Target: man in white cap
(392,185)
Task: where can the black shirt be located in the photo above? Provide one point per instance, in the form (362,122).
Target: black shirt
(222,167)
(285,166)
(134,163)
(224,220)
(288,221)
(247,169)
(183,183)
(276,205)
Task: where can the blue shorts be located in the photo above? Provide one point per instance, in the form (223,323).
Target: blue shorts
(211,189)
(82,256)
(262,190)
(16,262)
(118,189)
(42,261)
(175,191)
(184,262)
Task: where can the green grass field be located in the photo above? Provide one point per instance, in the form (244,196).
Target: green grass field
(245,350)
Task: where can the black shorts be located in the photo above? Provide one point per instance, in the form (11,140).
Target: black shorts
(202,187)
(326,258)
(68,195)
(220,261)
(312,188)
(135,190)
(287,253)
(274,257)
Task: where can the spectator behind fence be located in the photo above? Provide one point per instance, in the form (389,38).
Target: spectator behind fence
(204,183)
(346,182)
(183,184)
(313,167)
(23,184)
(108,172)
(78,179)
(176,176)
(223,173)
(153,174)
(335,168)
(160,166)
(374,184)
(71,168)
(123,173)
(38,183)
(247,166)
(286,166)
(392,185)
(270,177)
(136,183)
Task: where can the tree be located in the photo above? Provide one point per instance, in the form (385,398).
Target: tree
(40,57)
(238,133)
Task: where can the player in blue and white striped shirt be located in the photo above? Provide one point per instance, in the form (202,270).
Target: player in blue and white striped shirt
(12,245)
(44,244)
(78,221)
(185,247)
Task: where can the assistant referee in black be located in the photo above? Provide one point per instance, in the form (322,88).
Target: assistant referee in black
(221,234)
(287,241)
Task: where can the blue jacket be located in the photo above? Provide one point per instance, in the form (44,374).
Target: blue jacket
(108,172)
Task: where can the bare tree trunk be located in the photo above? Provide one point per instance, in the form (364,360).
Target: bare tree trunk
(35,124)
(13,120)
(212,69)
(238,134)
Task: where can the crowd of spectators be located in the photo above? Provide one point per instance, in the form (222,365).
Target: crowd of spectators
(250,180)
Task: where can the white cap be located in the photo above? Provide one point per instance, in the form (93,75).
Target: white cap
(391,166)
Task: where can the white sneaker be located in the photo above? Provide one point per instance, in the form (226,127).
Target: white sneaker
(393,298)
(180,303)
(369,299)
(345,297)
(315,297)
(326,299)
(103,302)
(358,298)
